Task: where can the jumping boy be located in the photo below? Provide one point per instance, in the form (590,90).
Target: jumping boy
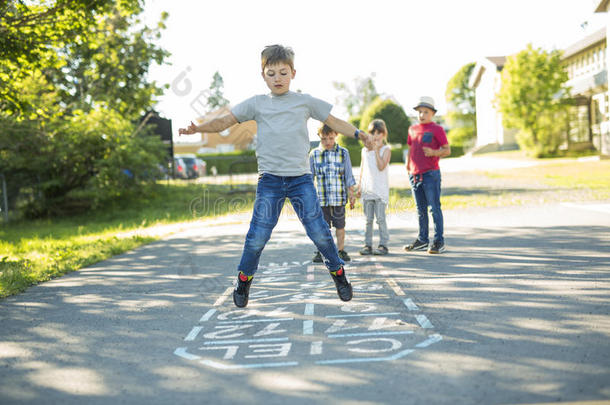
(332,168)
(427,144)
(282,150)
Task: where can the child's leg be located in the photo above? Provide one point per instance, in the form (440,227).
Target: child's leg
(303,197)
(369,212)
(419,195)
(432,189)
(384,236)
(267,207)
(338,221)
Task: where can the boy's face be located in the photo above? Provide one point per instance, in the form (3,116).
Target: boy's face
(424,114)
(278,77)
(328,140)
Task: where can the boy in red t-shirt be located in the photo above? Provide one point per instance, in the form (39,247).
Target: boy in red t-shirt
(427,144)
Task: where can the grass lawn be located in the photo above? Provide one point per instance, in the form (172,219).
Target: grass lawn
(36,251)
(552,181)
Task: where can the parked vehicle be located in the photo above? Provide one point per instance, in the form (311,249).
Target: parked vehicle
(180,169)
(201,167)
(191,165)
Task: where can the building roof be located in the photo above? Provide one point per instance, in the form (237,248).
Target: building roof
(602,6)
(587,42)
(499,61)
(480,68)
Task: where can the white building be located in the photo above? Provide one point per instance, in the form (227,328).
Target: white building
(486,80)
(603,6)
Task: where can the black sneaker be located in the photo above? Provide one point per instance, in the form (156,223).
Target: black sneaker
(344,256)
(367,250)
(241,292)
(344,287)
(417,245)
(317,258)
(381,250)
(437,247)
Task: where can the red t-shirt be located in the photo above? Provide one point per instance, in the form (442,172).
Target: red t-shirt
(431,135)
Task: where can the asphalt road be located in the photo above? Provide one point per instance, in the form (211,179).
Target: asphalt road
(516,311)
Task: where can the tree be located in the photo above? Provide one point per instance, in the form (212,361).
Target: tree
(71,92)
(461,107)
(532,99)
(356,98)
(31,35)
(216,98)
(109,66)
(394,116)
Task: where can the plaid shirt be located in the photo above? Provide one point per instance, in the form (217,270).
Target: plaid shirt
(332,170)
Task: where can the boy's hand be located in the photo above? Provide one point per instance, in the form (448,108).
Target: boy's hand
(429,151)
(191,129)
(365,138)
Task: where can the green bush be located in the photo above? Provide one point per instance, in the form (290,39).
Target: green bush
(223,162)
(461,136)
(394,116)
(71,164)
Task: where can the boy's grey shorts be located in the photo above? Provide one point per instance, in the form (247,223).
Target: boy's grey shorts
(334,216)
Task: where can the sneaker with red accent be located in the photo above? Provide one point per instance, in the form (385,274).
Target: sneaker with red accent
(344,287)
(242,290)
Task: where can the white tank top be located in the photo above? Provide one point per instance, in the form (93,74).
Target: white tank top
(375,184)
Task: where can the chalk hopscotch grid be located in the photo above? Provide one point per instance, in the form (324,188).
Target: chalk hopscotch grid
(271,347)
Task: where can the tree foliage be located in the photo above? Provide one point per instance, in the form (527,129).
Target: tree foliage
(216,97)
(73,82)
(532,99)
(394,116)
(460,116)
(357,97)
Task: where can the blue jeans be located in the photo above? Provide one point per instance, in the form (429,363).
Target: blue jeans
(271,193)
(426,190)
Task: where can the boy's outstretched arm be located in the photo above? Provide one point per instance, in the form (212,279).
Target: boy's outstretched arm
(345,128)
(215,125)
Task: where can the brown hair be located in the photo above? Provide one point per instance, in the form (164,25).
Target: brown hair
(273,54)
(325,130)
(378,125)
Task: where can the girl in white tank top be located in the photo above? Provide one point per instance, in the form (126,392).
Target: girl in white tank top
(374,186)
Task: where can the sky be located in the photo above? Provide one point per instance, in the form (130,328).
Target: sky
(413,48)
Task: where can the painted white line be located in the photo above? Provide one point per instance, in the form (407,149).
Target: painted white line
(394,286)
(310,273)
(193,333)
(402,332)
(181,351)
(410,304)
(367,314)
(432,339)
(222,366)
(603,208)
(308,327)
(257,320)
(223,297)
(207,315)
(388,358)
(228,342)
(423,321)
(316,348)
(309,309)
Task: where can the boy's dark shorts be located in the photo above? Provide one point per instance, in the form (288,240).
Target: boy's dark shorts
(335,216)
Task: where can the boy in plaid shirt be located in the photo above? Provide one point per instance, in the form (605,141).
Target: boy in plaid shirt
(331,167)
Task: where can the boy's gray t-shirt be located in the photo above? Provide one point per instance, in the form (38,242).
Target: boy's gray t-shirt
(282,140)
